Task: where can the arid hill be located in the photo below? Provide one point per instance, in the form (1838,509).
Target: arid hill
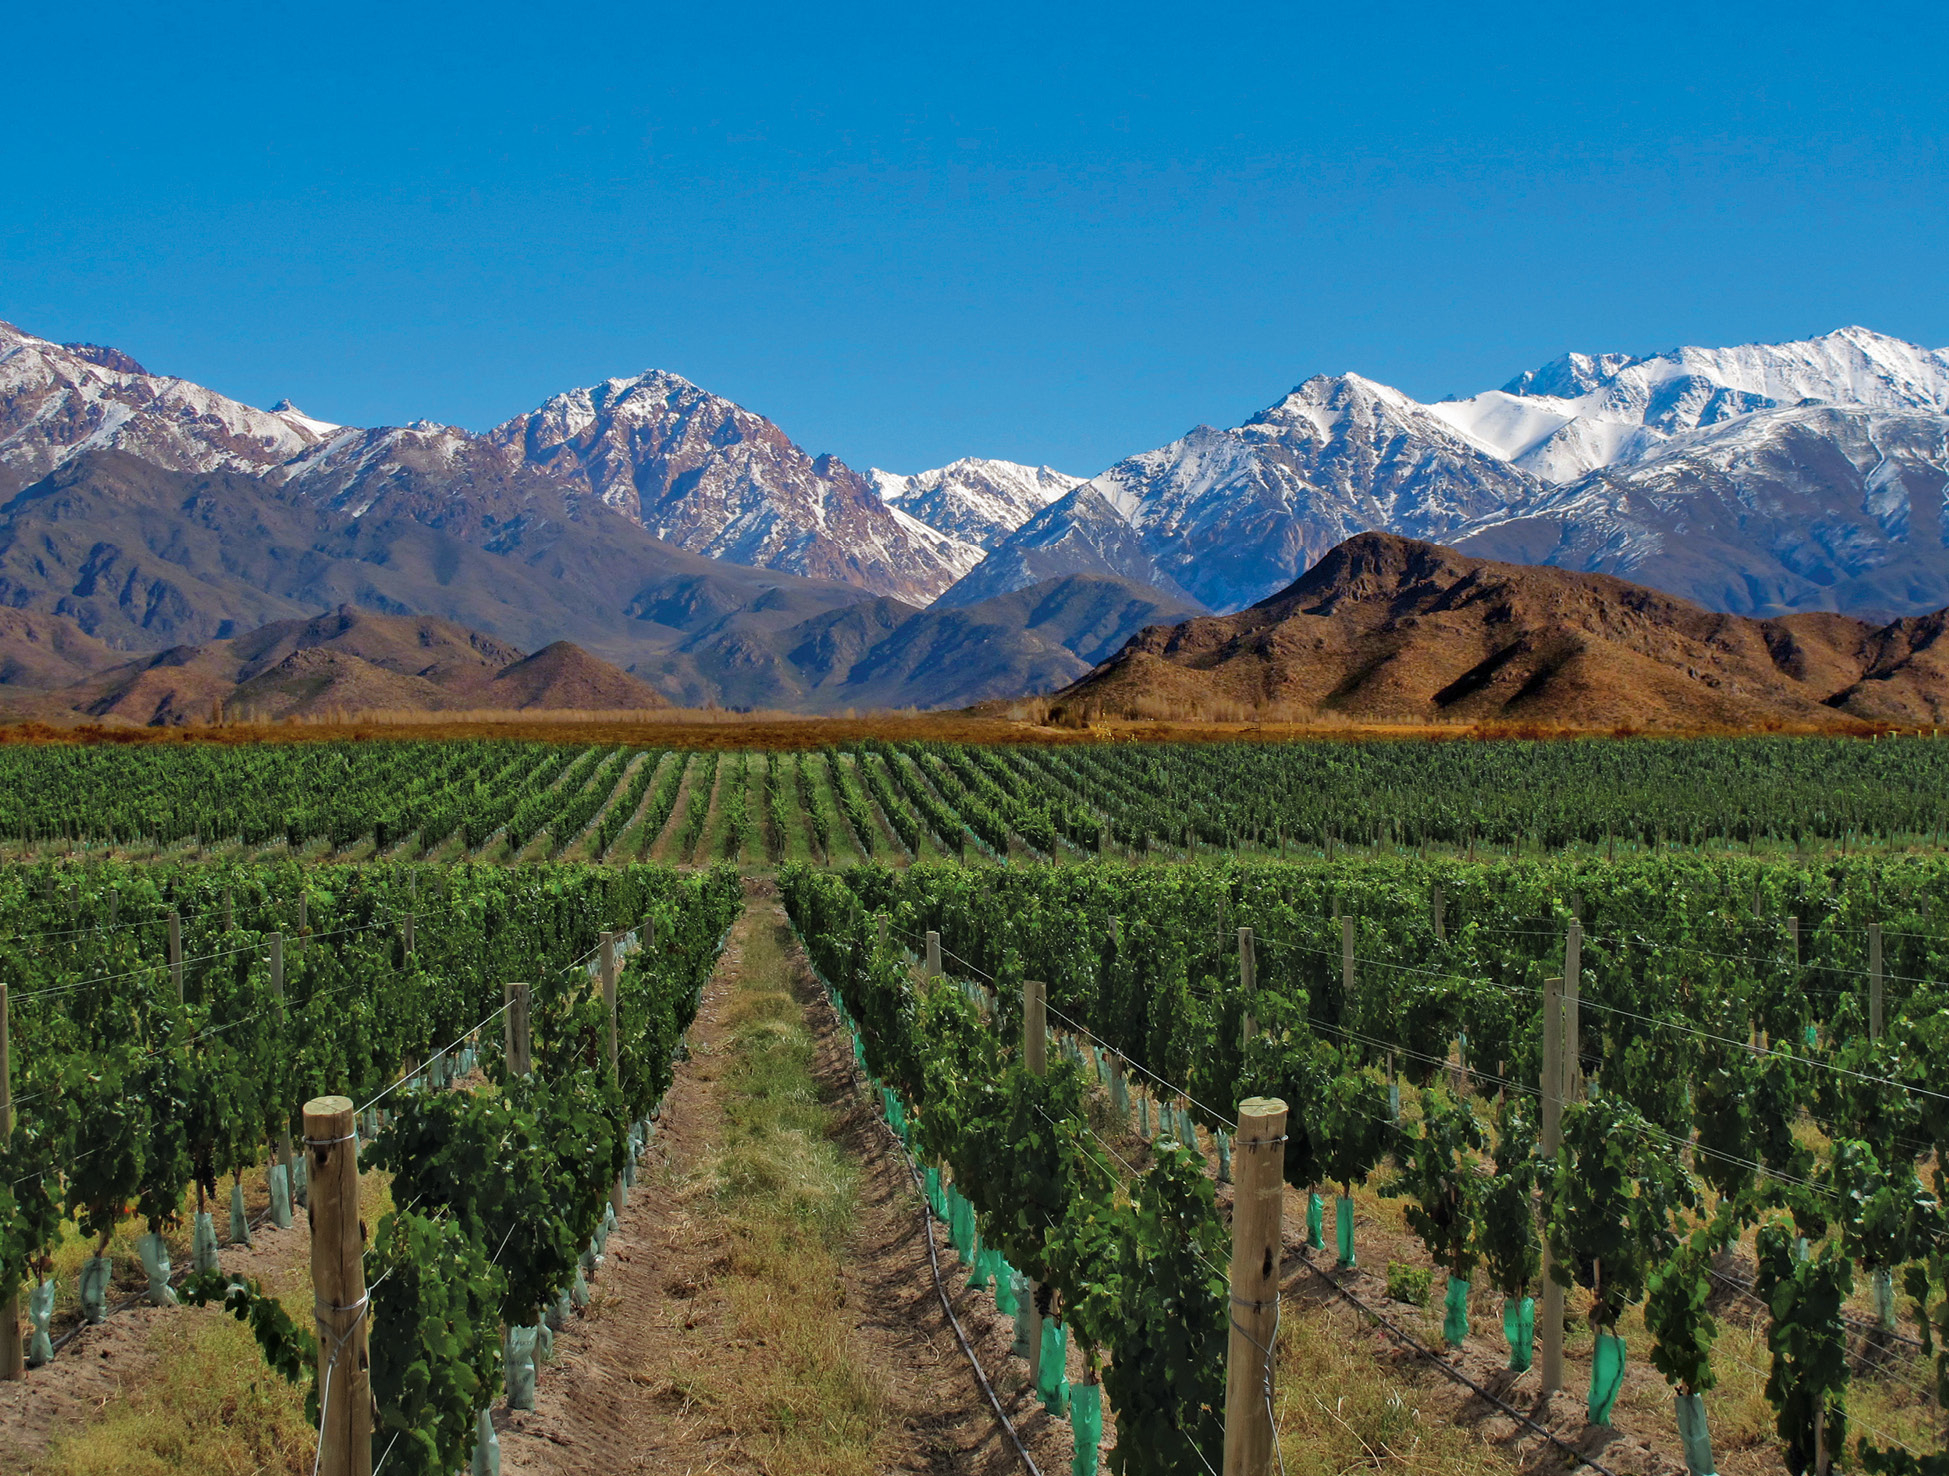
(344,661)
(1385,629)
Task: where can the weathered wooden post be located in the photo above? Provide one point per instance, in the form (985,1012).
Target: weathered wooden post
(406,932)
(607,967)
(13,1362)
(276,941)
(1793,939)
(519,1042)
(1258,1164)
(1248,983)
(1874,981)
(1035,1056)
(1436,912)
(176,952)
(1573,973)
(1552,1132)
(338,1289)
(933,955)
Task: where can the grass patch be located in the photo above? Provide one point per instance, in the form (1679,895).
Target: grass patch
(210,1406)
(788,1199)
(1340,1410)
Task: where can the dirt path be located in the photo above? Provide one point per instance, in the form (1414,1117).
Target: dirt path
(704,1350)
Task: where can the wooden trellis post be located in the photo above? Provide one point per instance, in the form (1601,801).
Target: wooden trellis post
(338,1289)
(13,1363)
(520,1043)
(276,941)
(1035,1056)
(607,967)
(933,955)
(1248,981)
(1435,913)
(1258,1163)
(1874,981)
(1551,1316)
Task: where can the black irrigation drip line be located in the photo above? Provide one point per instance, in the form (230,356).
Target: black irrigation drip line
(940,1289)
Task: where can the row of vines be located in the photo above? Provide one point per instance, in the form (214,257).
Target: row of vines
(139,1086)
(1734,1097)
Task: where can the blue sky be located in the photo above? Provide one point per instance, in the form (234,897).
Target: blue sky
(1054,233)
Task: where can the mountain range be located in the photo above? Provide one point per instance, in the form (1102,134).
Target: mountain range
(692,543)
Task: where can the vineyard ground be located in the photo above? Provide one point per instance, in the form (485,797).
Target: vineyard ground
(768,1305)
(159,1389)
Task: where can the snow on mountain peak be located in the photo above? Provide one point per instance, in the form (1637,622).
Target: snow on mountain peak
(974,500)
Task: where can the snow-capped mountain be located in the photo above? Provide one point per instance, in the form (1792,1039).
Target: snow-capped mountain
(713,478)
(693,468)
(1801,507)
(1757,479)
(1584,411)
(1233,515)
(59,400)
(978,501)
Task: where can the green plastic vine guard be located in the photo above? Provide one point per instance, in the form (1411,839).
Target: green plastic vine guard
(1005,1277)
(1315,1222)
(1023,1310)
(40,1313)
(933,1192)
(1519,1331)
(1693,1434)
(154,1251)
(1884,1292)
(1343,1230)
(1394,1101)
(560,1310)
(280,1183)
(1052,1376)
(544,1343)
(518,1355)
(239,1221)
(578,1292)
(1224,1156)
(1606,1376)
(1143,1118)
(978,1265)
(300,1182)
(203,1244)
(95,1272)
(1086,1419)
(487,1447)
(1455,1322)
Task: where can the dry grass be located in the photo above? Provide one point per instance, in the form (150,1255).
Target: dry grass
(1028,721)
(205,1401)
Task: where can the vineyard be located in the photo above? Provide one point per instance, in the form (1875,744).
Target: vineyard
(492,802)
(1607,1068)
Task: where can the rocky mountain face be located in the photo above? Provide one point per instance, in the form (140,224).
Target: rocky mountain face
(1386,629)
(715,479)
(979,502)
(1759,479)
(1230,515)
(693,469)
